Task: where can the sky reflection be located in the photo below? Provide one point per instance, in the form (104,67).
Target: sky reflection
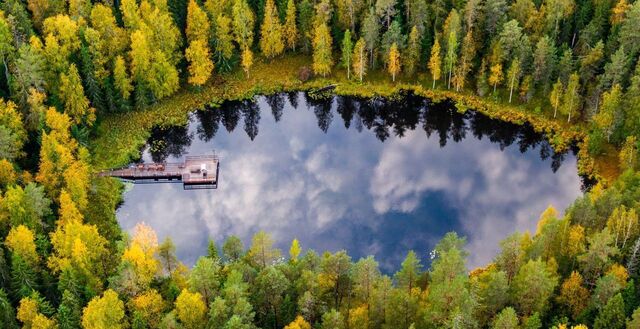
(372,177)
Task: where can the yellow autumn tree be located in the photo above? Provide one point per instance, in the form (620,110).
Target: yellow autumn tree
(200,63)
(298,323)
(435,62)
(360,59)
(620,273)
(21,241)
(247,60)
(121,78)
(76,104)
(495,75)
(106,312)
(322,58)
(394,61)
(7,173)
(77,246)
(31,317)
(271,42)
(573,294)
(190,309)
(141,254)
(290,28)
(359,317)
(576,241)
(150,306)
(294,251)
(198,26)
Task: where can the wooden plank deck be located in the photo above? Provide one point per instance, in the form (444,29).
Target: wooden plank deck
(195,172)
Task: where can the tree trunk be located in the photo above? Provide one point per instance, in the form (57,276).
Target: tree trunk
(434,84)
(513,79)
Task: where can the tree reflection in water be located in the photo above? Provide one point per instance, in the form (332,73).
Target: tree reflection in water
(380,115)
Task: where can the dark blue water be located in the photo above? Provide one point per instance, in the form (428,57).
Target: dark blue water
(376,177)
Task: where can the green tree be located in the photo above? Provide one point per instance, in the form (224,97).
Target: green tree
(612,315)
(506,319)
(556,96)
(544,61)
(450,298)
(412,54)
(571,101)
(410,272)
(262,251)
(533,287)
(347,52)
(204,278)
(605,119)
(232,249)
(513,74)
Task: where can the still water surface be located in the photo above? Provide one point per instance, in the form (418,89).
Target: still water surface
(376,177)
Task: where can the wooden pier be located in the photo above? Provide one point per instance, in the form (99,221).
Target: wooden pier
(196,172)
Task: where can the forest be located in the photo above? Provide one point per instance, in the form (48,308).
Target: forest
(68,65)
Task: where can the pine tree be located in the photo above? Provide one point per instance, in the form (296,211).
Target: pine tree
(347,53)
(76,104)
(435,62)
(412,54)
(271,41)
(394,61)
(121,78)
(322,50)
(198,26)
(290,27)
(360,59)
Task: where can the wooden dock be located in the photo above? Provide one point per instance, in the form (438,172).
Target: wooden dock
(196,172)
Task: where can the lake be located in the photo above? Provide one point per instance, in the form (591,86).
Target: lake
(374,177)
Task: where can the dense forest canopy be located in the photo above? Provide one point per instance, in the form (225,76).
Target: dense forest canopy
(66,65)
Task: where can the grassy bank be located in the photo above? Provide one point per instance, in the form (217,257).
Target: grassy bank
(120,136)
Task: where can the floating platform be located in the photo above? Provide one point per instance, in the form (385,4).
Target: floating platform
(196,172)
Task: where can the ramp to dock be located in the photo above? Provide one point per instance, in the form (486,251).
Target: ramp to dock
(196,172)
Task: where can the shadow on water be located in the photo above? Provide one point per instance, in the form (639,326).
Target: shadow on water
(379,115)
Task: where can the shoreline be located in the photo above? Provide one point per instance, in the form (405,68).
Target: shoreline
(120,136)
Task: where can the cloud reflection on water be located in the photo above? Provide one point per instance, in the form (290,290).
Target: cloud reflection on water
(308,177)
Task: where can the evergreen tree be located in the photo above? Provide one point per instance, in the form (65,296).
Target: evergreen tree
(290,28)
(412,55)
(271,40)
(322,59)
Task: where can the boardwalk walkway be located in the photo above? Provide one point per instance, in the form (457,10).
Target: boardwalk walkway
(196,172)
